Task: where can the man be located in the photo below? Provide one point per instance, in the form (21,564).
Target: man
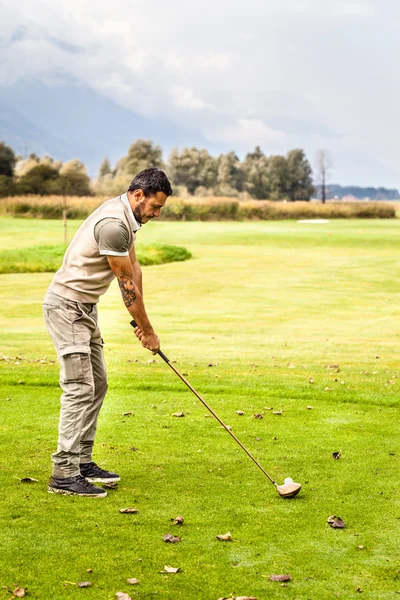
(102,249)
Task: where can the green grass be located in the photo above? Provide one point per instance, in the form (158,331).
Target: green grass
(271,305)
(47,259)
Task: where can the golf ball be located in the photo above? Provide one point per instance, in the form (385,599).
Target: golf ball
(288,480)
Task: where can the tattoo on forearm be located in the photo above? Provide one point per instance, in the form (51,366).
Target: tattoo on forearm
(127,287)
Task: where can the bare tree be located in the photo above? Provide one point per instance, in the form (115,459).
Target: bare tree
(324,165)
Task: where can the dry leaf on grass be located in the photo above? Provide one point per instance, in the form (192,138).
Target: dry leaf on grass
(240,412)
(277,412)
(280,577)
(259,416)
(19,592)
(226,537)
(310,407)
(171,539)
(179,520)
(336,522)
(171,570)
(127,414)
(122,596)
(311,380)
(178,414)
(133,581)
(238,598)
(111,485)
(126,511)
(336,455)
(84,584)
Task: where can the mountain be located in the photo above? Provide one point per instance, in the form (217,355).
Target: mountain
(73,121)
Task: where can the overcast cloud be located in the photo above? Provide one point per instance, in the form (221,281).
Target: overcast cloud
(280,74)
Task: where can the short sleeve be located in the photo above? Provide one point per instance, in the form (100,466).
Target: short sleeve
(112,236)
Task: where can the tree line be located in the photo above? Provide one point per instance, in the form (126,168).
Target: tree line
(192,171)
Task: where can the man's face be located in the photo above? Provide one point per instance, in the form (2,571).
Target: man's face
(148,208)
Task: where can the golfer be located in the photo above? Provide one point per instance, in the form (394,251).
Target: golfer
(102,248)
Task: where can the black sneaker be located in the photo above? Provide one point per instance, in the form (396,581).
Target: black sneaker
(95,474)
(75,486)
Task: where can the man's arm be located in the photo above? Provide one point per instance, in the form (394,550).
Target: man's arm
(132,297)
(137,271)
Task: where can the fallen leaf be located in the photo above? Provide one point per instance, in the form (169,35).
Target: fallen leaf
(310,407)
(178,414)
(126,511)
(122,596)
(328,389)
(133,581)
(111,485)
(280,577)
(127,414)
(171,539)
(277,412)
(311,380)
(179,520)
(333,367)
(134,449)
(168,569)
(360,547)
(336,455)
(240,412)
(267,407)
(19,592)
(227,427)
(28,480)
(259,416)
(89,570)
(336,522)
(84,584)
(225,538)
(213,365)
(359,590)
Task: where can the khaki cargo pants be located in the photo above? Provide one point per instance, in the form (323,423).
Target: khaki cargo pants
(83,378)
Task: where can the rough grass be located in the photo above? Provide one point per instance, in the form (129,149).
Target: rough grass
(269,305)
(45,259)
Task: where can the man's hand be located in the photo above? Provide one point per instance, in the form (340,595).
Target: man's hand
(150,341)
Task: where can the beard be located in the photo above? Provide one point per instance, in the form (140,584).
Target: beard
(138,212)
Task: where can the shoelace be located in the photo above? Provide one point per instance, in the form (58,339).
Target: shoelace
(83,481)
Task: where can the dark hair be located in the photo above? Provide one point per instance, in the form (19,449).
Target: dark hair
(151,181)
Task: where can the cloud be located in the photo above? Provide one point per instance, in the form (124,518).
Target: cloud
(272,72)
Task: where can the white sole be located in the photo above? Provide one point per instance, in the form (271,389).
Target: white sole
(103,480)
(68,493)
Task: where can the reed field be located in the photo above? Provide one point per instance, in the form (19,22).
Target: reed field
(202,209)
(296,325)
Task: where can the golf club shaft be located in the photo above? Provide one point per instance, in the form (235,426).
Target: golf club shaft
(191,388)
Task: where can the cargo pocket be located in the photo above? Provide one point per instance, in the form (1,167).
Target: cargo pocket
(75,367)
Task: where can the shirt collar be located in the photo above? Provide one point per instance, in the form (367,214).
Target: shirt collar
(134,224)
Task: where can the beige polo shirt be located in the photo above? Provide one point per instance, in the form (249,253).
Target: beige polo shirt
(85,274)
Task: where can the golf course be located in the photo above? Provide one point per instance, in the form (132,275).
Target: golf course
(291,332)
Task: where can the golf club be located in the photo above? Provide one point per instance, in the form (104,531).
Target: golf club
(289,489)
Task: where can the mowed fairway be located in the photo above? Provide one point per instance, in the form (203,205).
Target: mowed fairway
(255,319)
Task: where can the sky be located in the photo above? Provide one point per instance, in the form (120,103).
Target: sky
(281,74)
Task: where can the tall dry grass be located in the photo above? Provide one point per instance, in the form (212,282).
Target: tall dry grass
(202,209)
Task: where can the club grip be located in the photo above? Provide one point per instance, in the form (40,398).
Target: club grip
(160,353)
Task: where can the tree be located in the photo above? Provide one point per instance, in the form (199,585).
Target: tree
(42,180)
(324,164)
(105,168)
(7,160)
(299,176)
(7,186)
(142,154)
(230,176)
(278,175)
(74,180)
(192,168)
(255,169)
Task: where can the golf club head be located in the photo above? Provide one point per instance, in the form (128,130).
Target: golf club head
(289,489)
